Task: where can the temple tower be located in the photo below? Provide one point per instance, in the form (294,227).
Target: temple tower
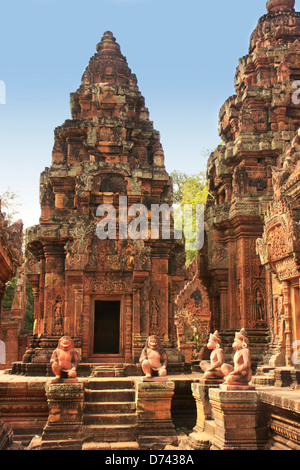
(257,125)
(107,292)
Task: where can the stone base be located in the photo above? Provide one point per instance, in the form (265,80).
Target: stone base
(211,382)
(200,393)
(237,420)
(199,441)
(155,379)
(65,421)
(63,381)
(38,443)
(237,387)
(155,425)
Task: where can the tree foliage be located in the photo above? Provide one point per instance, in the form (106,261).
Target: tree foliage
(10,205)
(189,190)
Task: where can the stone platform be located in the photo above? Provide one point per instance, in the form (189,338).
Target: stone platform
(109,407)
(24,409)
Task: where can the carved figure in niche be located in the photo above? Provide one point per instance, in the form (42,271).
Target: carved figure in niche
(197,296)
(154,313)
(241,180)
(212,369)
(259,313)
(64,361)
(240,374)
(58,317)
(145,307)
(153,359)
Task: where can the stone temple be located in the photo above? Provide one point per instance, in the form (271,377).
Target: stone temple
(252,214)
(110,293)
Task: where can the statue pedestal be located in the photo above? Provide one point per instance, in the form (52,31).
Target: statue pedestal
(64,426)
(198,440)
(155,426)
(200,393)
(238,423)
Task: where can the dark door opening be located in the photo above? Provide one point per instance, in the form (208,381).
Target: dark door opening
(107,327)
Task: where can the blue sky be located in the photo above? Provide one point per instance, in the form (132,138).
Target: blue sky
(184,53)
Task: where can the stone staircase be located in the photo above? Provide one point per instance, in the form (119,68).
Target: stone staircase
(265,376)
(108,370)
(110,419)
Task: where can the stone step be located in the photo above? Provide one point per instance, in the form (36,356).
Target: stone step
(266,380)
(100,384)
(105,433)
(115,446)
(265,375)
(109,396)
(108,370)
(109,407)
(109,419)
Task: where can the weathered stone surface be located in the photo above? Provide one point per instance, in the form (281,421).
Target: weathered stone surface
(201,394)
(155,426)
(254,195)
(238,420)
(282,408)
(192,309)
(65,421)
(109,149)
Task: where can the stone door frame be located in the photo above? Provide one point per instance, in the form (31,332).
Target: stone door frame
(107,358)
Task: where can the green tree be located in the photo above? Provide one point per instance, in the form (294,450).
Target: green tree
(189,190)
(10,205)
(29,317)
(9,294)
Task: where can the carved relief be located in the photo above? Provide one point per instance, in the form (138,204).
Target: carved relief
(58,318)
(114,284)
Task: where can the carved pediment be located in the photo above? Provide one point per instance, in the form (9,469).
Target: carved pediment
(194,298)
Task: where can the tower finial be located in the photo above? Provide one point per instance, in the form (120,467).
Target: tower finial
(108,43)
(277,5)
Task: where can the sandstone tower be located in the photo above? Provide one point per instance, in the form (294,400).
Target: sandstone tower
(258,126)
(108,295)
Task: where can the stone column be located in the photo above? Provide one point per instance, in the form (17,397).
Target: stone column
(54,286)
(65,422)
(288,322)
(155,426)
(77,320)
(128,328)
(239,423)
(223,282)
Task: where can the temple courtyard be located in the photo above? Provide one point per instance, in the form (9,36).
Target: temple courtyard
(132,346)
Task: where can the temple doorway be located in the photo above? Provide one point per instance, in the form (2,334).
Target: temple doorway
(107,327)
